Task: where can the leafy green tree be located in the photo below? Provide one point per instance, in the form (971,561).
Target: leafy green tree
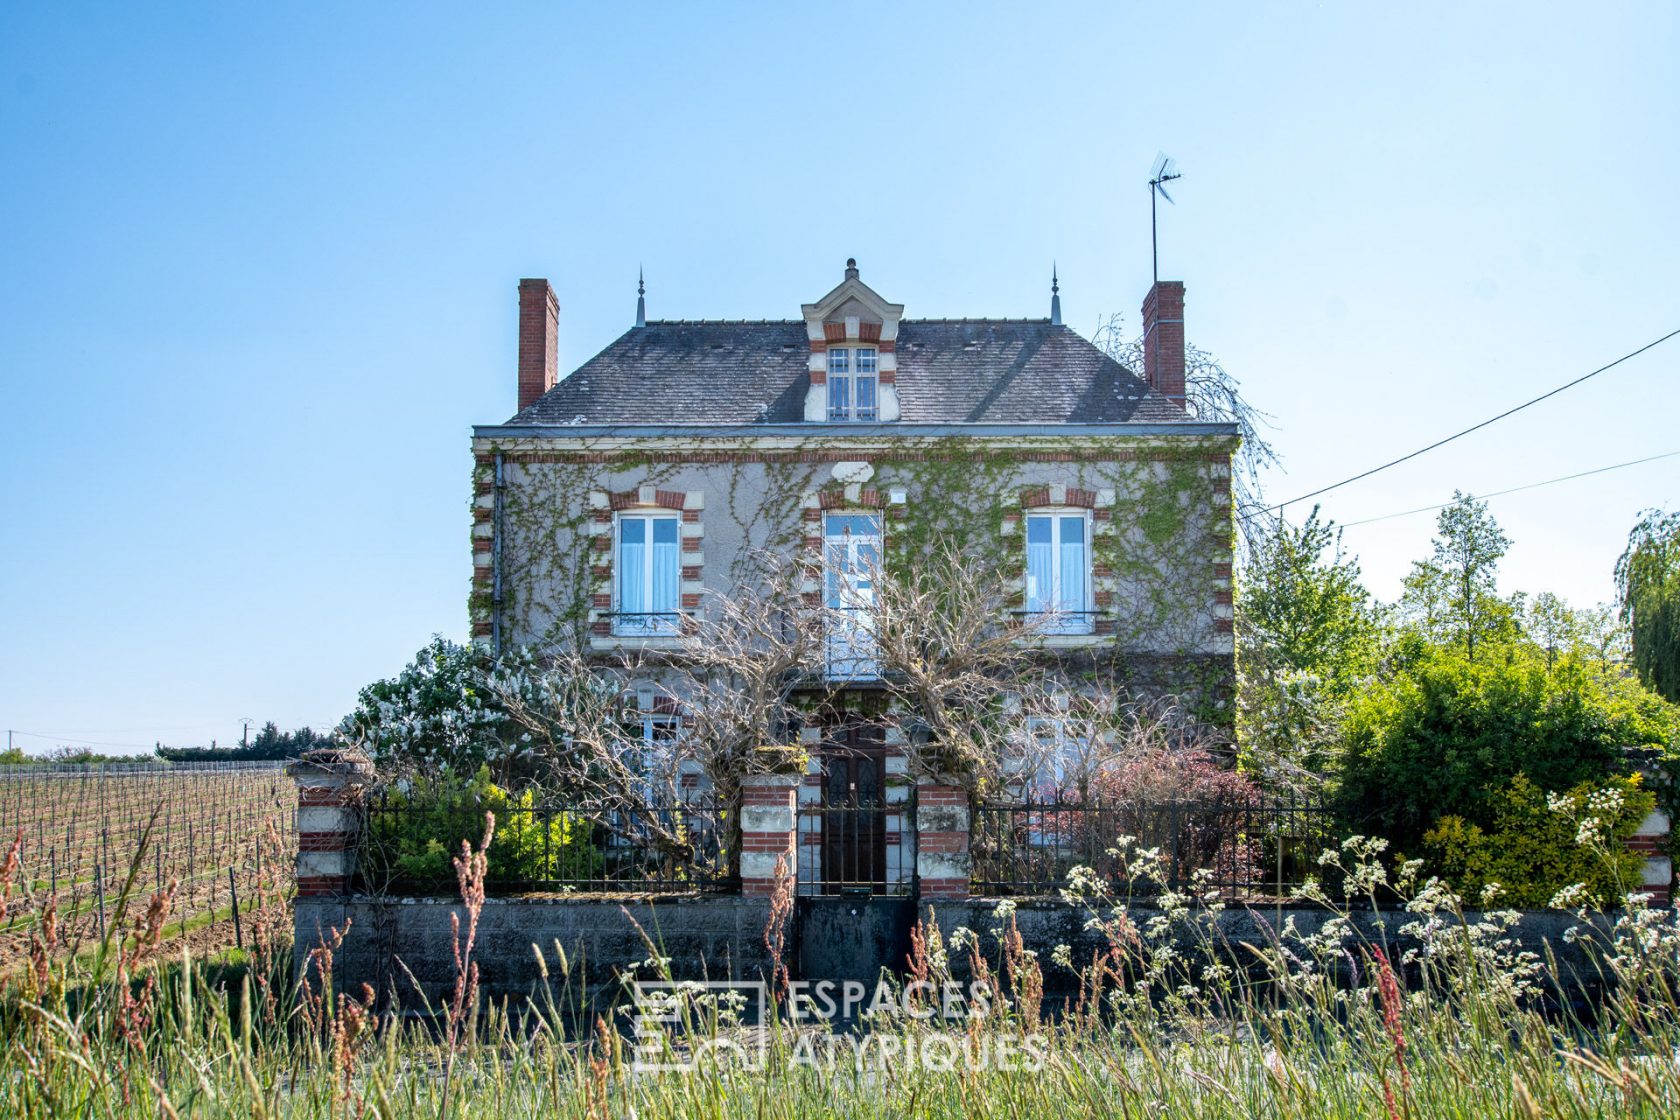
(1648,581)
(1594,634)
(1307,634)
(1436,739)
(1453,596)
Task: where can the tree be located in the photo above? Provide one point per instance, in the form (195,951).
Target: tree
(1303,605)
(441,712)
(960,666)
(1306,635)
(1648,584)
(1453,596)
(1436,739)
(1210,393)
(1594,634)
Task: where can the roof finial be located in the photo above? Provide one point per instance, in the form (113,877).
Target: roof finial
(641,299)
(1055,297)
(851,268)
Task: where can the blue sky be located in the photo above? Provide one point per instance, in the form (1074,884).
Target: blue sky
(260,265)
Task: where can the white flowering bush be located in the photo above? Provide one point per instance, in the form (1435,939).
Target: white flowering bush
(444,711)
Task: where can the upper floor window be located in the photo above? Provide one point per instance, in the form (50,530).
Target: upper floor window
(852,383)
(851,562)
(647,574)
(1059,571)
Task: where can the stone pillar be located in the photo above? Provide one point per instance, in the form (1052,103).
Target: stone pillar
(769,817)
(329,819)
(1651,841)
(942,859)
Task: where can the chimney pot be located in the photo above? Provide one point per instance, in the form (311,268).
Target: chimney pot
(1163,339)
(539,340)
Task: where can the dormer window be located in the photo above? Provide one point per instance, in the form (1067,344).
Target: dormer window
(852,383)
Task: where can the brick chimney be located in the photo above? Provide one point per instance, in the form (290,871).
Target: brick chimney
(1163,339)
(539,340)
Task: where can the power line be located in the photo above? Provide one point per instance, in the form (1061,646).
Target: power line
(1476,427)
(1516,489)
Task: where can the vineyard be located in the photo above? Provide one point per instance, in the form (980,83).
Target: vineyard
(221,846)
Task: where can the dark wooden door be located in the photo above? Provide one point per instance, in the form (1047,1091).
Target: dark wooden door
(854,809)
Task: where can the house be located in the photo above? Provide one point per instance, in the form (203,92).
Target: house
(617,498)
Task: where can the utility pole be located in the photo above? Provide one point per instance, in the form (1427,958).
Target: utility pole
(245,734)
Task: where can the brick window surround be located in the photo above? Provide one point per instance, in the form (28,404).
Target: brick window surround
(603,505)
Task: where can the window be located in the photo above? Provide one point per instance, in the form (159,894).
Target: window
(852,383)
(648,572)
(1059,571)
(851,554)
(649,752)
(1058,751)
(654,749)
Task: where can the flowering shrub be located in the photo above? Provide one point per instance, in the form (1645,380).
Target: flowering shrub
(442,712)
(1541,843)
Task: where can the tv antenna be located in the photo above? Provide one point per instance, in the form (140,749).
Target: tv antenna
(1165,171)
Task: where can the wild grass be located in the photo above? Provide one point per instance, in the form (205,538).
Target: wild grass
(1460,1022)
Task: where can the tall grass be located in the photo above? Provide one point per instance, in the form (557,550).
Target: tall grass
(1446,1017)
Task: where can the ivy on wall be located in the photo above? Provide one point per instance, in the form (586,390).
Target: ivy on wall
(1165,553)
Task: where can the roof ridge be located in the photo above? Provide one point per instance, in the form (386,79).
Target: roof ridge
(800,322)
(725,322)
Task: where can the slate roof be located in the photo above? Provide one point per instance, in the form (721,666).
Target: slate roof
(950,371)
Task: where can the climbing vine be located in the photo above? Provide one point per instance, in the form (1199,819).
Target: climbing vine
(1161,554)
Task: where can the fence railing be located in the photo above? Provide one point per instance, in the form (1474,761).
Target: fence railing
(1246,849)
(50,769)
(681,846)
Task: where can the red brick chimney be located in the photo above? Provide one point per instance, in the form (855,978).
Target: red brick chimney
(1163,339)
(539,340)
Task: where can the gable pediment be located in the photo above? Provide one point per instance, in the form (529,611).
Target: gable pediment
(852,301)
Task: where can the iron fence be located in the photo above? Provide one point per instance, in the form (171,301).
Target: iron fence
(680,846)
(1258,849)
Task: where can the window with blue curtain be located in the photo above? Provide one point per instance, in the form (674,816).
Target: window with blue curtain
(649,573)
(1059,571)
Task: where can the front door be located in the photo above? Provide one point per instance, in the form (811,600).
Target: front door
(854,815)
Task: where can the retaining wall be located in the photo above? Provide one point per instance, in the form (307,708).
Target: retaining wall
(389,940)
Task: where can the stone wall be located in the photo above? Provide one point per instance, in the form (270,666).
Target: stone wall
(386,940)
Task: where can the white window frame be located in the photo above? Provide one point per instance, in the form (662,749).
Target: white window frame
(657,750)
(1077,617)
(849,644)
(647,625)
(843,383)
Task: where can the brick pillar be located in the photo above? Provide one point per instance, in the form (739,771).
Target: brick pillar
(769,818)
(1651,841)
(942,860)
(329,819)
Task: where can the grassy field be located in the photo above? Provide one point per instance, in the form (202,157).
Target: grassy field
(217,837)
(1464,1024)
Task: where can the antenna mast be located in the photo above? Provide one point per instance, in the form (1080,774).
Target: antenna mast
(1164,172)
